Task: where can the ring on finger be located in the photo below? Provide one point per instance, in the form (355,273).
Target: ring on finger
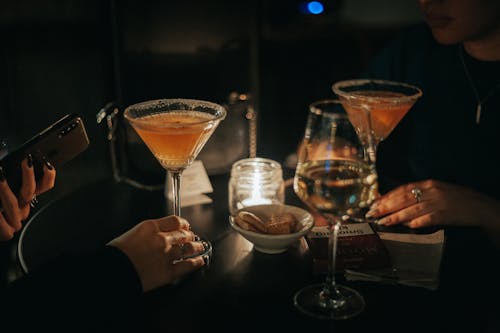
(206,259)
(183,249)
(182,253)
(417,194)
(33,201)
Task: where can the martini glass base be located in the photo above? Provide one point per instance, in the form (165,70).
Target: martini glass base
(311,301)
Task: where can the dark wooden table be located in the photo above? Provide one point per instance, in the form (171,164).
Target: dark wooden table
(244,290)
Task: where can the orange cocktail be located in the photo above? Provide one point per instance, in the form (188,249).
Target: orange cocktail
(175,130)
(375,107)
(175,138)
(383,115)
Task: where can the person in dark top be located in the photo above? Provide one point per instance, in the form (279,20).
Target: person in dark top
(440,165)
(97,291)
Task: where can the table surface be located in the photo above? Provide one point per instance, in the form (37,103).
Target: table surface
(247,290)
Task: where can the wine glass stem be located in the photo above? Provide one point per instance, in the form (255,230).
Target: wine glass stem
(176,186)
(332,258)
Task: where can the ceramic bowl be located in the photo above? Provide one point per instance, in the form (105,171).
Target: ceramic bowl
(269,243)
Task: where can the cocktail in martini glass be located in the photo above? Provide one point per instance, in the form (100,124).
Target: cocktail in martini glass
(175,130)
(375,107)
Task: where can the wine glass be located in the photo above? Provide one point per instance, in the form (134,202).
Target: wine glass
(375,107)
(175,130)
(334,179)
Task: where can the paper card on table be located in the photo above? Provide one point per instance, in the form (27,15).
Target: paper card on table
(194,185)
(416,260)
(359,247)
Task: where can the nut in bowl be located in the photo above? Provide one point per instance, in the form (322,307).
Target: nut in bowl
(272,228)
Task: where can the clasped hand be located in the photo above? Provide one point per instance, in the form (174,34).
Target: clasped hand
(155,246)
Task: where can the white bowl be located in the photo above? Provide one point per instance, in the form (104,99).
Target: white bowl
(272,244)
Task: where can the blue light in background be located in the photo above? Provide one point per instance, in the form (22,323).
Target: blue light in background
(315,7)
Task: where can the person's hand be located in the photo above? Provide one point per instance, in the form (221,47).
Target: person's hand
(14,210)
(432,203)
(154,247)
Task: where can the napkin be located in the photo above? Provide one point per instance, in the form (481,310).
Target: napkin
(416,260)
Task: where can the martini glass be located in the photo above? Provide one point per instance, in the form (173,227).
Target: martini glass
(175,130)
(375,107)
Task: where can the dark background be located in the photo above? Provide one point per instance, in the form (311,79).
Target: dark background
(61,56)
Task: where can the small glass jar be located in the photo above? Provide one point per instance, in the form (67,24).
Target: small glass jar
(255,181)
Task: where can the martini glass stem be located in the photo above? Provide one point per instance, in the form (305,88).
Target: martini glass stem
(176,185)
(371,150)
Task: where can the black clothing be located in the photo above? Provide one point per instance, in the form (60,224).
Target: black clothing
(96,292)
(439,137)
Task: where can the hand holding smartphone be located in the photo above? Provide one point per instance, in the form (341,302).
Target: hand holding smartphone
(58,143)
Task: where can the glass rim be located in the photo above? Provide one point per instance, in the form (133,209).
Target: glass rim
(338,86)
(257,160)
(313,108)
(191,103)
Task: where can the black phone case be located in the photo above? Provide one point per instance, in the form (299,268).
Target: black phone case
(58,144)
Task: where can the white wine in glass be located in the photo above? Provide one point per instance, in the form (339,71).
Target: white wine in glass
(334,179)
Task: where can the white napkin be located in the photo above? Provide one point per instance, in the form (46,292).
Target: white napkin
(416,260)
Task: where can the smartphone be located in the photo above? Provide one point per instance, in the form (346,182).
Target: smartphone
(58,143)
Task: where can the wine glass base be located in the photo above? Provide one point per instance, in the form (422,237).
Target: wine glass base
(311,301)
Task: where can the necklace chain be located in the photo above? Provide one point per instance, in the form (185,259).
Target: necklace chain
(474,89)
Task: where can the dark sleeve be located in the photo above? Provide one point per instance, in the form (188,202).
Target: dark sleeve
(75,292)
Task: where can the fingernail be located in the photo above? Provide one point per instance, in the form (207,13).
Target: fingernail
(30,160)
(382,221)
(371,213)
(47,163)
(373,210)
(2,174)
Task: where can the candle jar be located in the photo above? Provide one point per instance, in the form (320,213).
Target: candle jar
(255,181)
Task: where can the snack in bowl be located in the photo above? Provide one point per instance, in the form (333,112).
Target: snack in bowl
(279,223)
(272,228)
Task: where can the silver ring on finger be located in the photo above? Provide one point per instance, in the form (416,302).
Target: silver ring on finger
(182,253)
(33,201)
(206,259)
(182,249)
(417,194)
